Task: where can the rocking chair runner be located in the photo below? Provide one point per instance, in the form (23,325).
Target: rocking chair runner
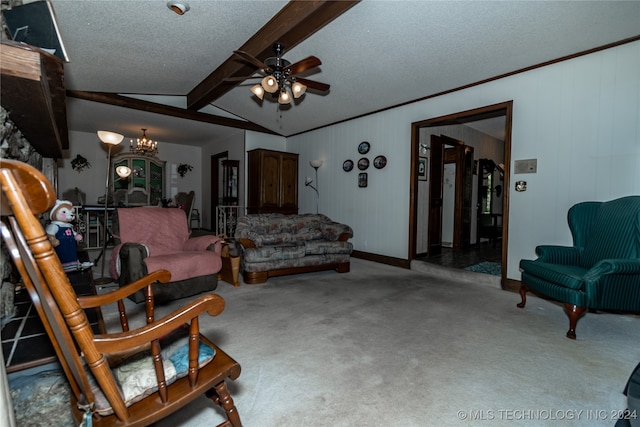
(92,362)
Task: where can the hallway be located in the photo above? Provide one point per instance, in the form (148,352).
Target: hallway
(463,258)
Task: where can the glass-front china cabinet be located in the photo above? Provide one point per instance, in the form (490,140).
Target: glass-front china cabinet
(145,185)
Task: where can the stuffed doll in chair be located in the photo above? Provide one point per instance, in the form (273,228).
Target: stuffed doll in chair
(62,235)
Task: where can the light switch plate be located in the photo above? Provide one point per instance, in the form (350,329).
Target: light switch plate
(525,166)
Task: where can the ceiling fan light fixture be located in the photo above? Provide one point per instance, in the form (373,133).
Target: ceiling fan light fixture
(258,91)
(298,89)
(179,7)
(284,97)
(280,75)
(270,84)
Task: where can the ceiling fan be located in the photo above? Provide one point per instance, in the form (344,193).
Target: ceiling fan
(281,76)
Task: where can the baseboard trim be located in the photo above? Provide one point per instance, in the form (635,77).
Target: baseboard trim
(396,262)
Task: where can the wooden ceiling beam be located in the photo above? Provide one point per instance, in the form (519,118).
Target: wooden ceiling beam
(293,24)
(153,107)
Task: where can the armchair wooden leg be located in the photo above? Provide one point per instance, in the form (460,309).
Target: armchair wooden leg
(523,296)
(575,313)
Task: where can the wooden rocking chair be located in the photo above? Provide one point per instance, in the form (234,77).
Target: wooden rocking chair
(99,367)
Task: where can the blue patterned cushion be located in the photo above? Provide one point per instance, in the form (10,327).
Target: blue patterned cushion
(136,376)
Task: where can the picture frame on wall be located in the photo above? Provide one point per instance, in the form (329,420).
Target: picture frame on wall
(423,166)
(362,179)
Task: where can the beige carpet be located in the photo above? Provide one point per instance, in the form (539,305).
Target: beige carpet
(384,346)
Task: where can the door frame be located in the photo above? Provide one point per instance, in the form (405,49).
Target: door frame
(215,195)
(496,110)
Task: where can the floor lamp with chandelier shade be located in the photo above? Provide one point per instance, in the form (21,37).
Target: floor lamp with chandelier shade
(110,139)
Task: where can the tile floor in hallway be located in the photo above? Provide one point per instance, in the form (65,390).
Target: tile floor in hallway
(463,258)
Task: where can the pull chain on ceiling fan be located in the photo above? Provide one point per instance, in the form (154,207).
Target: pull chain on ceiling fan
(281,75)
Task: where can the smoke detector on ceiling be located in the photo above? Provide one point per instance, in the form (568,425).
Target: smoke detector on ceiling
(179,7)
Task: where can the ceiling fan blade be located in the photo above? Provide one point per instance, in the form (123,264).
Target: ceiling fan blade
(302,65)
(311,84)
(253,60)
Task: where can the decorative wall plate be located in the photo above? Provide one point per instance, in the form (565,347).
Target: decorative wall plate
(363,179)
(347,166)
(363,164)
(364,147)
(380,162)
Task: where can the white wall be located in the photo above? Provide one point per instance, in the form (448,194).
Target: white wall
(580,118)
(92,181)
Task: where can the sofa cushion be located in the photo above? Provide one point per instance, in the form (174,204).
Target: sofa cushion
(302,262)
(571,276)
(305,234)
(280,252)
(185,265)
(274,239)
(321,247)
(273,229)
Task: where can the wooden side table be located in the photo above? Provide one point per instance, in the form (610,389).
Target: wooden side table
(230,266)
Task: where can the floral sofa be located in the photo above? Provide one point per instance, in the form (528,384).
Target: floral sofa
(276,244)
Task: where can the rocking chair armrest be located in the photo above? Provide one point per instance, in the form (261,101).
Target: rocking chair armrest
(121,341)
(92,301)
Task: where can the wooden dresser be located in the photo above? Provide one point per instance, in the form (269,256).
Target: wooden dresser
(272,182)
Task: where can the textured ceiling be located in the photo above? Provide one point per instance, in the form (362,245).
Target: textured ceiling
(376,55)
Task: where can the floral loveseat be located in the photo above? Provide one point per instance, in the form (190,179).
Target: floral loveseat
(276,244)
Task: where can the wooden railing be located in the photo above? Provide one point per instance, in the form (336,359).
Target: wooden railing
(227,218)
(89,222)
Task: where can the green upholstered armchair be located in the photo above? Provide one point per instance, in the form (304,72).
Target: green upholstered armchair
(602,268)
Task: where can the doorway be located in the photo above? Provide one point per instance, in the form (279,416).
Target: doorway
(425,205)
(450,195)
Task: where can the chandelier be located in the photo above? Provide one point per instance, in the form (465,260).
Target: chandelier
(144,145)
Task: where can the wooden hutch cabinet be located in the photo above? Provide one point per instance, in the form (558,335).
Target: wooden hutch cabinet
(272,182)
(145,185)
